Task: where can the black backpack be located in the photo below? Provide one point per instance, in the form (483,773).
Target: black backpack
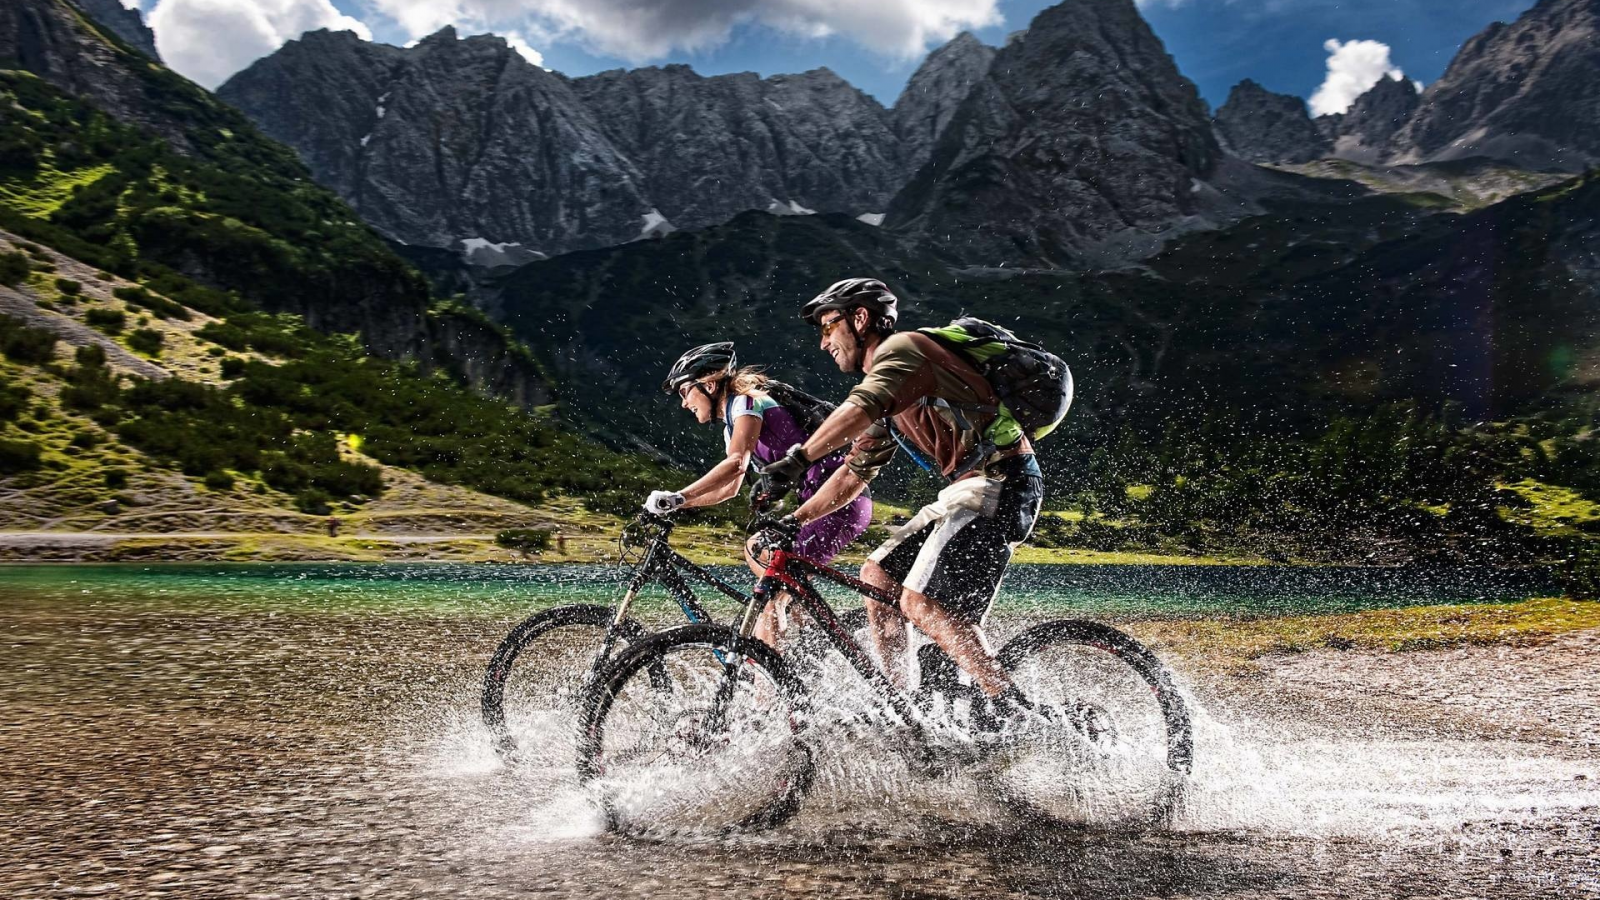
(1033,384)
(808,411)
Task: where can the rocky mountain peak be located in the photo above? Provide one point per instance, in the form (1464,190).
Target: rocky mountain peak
(1083,141)
(934,92)
(127,24)
(48,39)
(460,142)
(1366,129)
(444,37)
(1526,93)
(1260,126)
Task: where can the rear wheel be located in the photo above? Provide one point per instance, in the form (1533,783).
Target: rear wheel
(715,748)
(533,681)
(1109,739)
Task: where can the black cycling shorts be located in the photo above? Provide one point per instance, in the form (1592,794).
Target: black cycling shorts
(958,560)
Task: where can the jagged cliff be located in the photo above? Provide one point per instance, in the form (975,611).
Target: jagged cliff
(1365,132)
(934,93)
(1526,93)
(432,144)
(1082,142)
(1260,126)
(127,24)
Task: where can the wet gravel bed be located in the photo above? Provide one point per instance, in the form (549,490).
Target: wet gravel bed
(275,755)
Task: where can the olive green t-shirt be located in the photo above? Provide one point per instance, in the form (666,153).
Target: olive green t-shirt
(928,392)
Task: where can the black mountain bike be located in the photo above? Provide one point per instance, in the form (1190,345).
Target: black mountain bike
(541,666)
(703,728)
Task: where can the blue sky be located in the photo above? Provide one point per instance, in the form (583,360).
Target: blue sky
(1216,42)
(873,43)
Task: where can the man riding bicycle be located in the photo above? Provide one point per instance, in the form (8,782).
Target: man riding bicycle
(948,560)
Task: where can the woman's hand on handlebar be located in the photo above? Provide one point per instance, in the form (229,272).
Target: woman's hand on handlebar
(661,503)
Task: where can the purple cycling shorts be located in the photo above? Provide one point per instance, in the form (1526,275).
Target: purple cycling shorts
(821,540)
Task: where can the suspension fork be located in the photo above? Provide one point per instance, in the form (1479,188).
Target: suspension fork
(642,575)
(732,663)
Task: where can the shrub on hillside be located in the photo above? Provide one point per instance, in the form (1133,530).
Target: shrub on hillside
(18,456)
(219,481)
(89,387)
(14,268)
(90,356)
(146,340)
(68,287)
(524,540)
(314,501)
(24,344)
(160,307)
(110,321)
(13,400)
(273,335)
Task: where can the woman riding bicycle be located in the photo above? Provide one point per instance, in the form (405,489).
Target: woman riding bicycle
(710,385)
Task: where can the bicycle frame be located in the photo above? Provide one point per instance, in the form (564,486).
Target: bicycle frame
(792,573)
(667,566)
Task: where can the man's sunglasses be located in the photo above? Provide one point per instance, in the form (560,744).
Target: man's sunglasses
(829,326)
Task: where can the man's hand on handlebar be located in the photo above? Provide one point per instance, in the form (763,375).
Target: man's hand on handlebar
(781,477)
(771,534)
(780,532)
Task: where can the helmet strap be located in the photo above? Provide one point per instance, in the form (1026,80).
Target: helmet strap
(861,345)
(713,395)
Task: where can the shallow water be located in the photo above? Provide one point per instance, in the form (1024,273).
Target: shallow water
(312,732)
(482,589)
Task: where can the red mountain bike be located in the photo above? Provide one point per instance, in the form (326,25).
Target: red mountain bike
(703,728)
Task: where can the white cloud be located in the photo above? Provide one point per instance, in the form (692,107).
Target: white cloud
(1353,68)
(520,44)
(130,4)
(209,40)
(643,30)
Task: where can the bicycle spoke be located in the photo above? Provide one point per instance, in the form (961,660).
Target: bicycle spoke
(718,751)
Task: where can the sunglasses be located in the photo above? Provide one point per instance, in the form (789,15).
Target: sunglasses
(829,326)
(687,386)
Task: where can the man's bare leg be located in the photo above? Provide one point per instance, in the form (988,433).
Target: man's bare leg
(888,626)
(962,640)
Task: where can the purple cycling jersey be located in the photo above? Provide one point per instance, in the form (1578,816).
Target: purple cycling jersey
(822,539)
(779,432)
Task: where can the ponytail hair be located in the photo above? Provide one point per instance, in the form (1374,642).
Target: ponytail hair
(747,379)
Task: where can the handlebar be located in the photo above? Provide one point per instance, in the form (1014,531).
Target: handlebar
(644,528)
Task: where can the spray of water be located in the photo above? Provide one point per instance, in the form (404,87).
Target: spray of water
(1260,773)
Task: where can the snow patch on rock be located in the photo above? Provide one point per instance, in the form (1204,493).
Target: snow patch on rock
(479,251)
(792,208)
(655,225)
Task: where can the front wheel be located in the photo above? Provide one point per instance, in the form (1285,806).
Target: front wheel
(533,681)
(1108,741)
(718,749)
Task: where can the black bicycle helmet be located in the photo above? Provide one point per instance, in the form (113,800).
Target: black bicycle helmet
(850,293)
(706,359)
